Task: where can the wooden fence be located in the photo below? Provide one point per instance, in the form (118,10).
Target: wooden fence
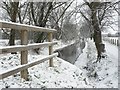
(112,40)
(24,47)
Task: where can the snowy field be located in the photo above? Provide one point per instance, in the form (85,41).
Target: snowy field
(103,74)
(62,75)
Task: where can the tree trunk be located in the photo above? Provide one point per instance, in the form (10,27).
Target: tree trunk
(97,39)
(97,32)
(13,16)
(12,37)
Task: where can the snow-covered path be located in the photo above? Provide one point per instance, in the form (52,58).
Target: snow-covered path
(106,71)
(112,50)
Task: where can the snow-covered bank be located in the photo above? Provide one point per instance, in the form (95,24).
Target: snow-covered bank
(103,74)
(62,75)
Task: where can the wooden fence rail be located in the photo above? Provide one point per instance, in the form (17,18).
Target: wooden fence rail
(18,48)
(23,27)
(25,66)
(24,47)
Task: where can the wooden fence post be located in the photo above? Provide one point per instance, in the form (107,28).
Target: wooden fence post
(24,54)
(117,43)
(111,41)
(50,49)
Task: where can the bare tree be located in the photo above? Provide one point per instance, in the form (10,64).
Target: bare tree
(97,15)
(58,17)
(41,13)
(12,10)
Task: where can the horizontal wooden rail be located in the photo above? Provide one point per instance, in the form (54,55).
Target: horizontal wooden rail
(17,26)
(25,66)
(16,48)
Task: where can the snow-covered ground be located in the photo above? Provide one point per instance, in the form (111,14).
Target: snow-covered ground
(84,74)
(103,74)
(62,75)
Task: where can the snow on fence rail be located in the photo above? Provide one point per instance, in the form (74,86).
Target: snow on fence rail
(23,27)
(114,41)
(24,47)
